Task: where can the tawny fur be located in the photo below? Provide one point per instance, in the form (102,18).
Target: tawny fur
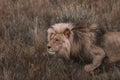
(111,45)
(82,40)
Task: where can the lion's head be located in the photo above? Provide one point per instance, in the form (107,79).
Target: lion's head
(58,39)
(66,38)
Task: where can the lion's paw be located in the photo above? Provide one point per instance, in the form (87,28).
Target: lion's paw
(88,68)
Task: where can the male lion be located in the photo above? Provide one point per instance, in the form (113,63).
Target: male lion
(84,42)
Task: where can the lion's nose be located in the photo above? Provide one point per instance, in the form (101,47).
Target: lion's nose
(48,47)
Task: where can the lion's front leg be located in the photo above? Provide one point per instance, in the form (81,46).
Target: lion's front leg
(96,63)
(98,54)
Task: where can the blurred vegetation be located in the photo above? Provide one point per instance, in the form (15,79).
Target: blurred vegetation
(23,25)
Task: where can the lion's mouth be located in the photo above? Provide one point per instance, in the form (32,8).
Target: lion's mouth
(51,52)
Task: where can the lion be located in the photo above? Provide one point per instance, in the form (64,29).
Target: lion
(83,41)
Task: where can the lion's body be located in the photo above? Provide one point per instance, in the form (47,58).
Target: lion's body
(111,46)
(82,41)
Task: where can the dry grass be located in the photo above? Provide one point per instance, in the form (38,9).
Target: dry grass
(23,25)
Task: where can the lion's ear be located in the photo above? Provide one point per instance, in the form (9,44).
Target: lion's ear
(67,32)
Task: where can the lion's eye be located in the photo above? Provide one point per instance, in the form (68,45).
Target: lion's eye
(56,39)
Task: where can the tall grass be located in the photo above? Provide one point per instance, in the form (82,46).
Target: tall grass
(23,25)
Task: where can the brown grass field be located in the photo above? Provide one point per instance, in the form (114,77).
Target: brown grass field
(23,25)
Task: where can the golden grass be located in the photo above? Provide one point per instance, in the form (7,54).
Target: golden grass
(23,25)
